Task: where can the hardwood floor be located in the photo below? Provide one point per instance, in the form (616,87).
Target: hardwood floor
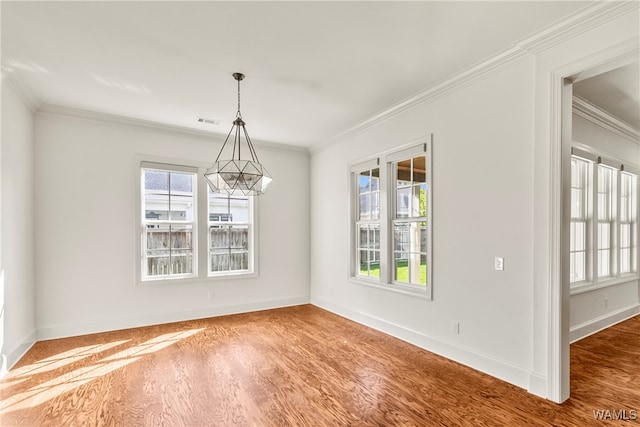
(298,366)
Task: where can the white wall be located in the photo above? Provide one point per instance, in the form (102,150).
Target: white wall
(599,308)
(17,319)
(86,179)
(482,208)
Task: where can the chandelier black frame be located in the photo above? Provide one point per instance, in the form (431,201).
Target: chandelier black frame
(235,174)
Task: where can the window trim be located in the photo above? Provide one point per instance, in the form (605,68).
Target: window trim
(384,162)
(201,213)
(144,223)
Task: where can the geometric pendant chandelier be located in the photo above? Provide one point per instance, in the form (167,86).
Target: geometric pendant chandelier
(237,169)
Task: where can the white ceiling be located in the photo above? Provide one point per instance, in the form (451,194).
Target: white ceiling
(314,69)
(617,92)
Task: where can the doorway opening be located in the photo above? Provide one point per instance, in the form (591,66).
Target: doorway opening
(599,128)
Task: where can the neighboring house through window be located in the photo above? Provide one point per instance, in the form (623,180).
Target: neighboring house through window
(188,231)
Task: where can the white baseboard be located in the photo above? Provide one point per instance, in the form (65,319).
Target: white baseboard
(117,323)
(538,385)
(485,363)
(592,326)
(12,357)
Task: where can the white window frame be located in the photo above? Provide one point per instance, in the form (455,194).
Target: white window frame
(580,217)
(598,216)
(150,224)
(201,223)
(386,161)
(250,241)
(628,218)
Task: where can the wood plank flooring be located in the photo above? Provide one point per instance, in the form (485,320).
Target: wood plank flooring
(298,366)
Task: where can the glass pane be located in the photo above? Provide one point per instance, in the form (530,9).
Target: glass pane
(576,203)
(423,237)
(219,207)
(374,263)
(625,260)
(422,280)
(181,196)
(156,181)
(181,249)
(238,261)
(401,236)
(239,208)
(403,202)
(158,251)
(181,182)
(419,170)
(364,182)
(219,237)
(625,235)
(374,236)
(604,260)
(577,267)
(418,202)
(401,267)
(158,262)
(403,177)
(375,205)
(364,264)
(364,234)
(219,260)
(156,195)
(375,179)
(365,207)
(604,237)
(239,237)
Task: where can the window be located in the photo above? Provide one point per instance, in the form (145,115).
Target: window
(579,218)
(184,239)
(603,211)
(230,233)
(628,223)
(391,220)
(368,222)
(169,223)
(605,221)
(410,221)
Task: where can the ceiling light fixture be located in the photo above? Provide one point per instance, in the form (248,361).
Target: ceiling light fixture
(235,174)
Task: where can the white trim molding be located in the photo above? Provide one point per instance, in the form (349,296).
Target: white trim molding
(602,118)
(12,357)
(573,25)
(503,370)
(118,323)
(60,110)
(593,326)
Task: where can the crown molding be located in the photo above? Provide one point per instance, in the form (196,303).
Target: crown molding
(571,26)
(22,89)
(604,119)
(59,110)
(581,21)
(503,60)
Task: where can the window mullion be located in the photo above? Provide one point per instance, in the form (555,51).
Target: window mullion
(386,206)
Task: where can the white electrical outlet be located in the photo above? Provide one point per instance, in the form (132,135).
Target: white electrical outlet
(606,302)
(499,263)
(455,327)
(210,294)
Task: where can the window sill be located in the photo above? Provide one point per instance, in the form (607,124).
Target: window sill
(197,279)
(591,286)
(392,287)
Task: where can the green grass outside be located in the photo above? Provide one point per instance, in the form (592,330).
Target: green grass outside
(402,271)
